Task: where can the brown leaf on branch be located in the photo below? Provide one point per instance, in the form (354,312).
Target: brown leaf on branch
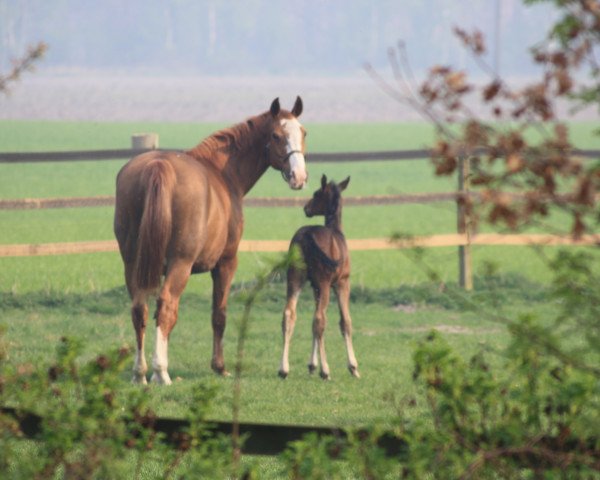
(444,158)
(474,41)
(511,142)
(514,163)
(456,82)
(22,65)
(561,133)
(559,60)
(536,98)
(564,82)
(492,90)
(475,134)
(578,228)
(586,192)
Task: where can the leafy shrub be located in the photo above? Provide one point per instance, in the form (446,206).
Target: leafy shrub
(90,428)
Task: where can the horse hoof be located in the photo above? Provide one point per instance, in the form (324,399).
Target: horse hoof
(325,376)
(161,378)
(139,379)
(353,371)
(282,374)
(312,369)
(220,371)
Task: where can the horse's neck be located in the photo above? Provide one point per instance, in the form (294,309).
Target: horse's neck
(244,168)
(241,166)
(334,220)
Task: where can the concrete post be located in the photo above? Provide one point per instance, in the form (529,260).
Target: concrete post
(144,141)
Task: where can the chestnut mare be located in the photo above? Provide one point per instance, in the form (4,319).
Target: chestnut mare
(181,213)
(326,264)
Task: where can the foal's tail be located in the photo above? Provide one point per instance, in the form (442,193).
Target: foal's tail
(154,233)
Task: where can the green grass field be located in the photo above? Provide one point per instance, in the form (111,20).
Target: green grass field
(393,305)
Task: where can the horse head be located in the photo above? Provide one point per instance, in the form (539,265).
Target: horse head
(326,200)
(286,146)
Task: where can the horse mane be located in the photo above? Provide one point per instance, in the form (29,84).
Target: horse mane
(336,197)
(333,213)
(229,140)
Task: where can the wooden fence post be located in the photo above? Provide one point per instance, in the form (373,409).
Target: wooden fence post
(465,272)
(144,141)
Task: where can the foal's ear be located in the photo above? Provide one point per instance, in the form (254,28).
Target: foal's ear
(275,107)
(342,185)
(323,181)
(297,109)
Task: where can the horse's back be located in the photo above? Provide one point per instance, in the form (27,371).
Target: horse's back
(198,202)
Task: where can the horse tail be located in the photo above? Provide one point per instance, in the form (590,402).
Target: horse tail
(155,226)
(322,257)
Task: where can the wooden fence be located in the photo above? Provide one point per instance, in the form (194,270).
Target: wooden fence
(463,239)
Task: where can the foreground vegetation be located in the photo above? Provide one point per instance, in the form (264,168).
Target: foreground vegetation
(414,384)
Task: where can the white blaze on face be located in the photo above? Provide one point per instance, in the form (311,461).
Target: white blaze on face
(295,136)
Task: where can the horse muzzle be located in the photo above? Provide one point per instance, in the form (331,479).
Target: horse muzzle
(308,210)
(296,175)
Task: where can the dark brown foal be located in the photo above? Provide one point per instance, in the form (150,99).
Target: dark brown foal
(326,264)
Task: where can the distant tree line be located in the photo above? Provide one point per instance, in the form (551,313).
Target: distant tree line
(258,36)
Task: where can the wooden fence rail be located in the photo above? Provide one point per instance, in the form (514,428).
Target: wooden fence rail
(318,157)
(109,201)
(93,155)
(431,241)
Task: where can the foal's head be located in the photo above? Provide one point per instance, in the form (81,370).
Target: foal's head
(285,149)
(326,200)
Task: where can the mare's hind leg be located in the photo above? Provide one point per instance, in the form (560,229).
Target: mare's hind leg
(319,323)
(167,307)
(295,281)
(343,294)
(139,318)
(222,275)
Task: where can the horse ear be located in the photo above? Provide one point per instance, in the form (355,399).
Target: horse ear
(323,181)
(342,185)
(275,107)
(297,109)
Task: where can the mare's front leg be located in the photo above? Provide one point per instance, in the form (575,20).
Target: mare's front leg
(222,275)
(343,294)
(319,323)
(167,308)
(295,280)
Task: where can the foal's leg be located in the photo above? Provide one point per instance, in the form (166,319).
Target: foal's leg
(222,275)
(319,322)
(295,281)
(167,307)
(343,294)
(139,318)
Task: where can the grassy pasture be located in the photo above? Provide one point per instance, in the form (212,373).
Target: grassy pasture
(43,298)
